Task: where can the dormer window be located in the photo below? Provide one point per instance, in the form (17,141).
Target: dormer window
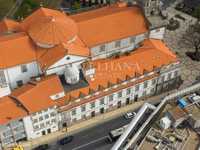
(102,48)
(132,39)
(117,44)
(24,68)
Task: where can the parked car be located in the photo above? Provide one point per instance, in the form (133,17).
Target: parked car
(42,147)
(129,115)
(65,140)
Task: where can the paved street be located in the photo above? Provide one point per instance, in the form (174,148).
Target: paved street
(190,68)
(94,138)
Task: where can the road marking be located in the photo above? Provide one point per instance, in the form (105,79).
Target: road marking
(84,145)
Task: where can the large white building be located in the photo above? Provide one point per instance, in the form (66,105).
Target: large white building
(57,69)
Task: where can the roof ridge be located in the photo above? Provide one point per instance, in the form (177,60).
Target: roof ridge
(19,103)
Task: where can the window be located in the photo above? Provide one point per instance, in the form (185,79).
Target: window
(2,79)
(102,48)
(137,87)
(176,73)
(153,81)
(52,114)
(110,97)
(24,68)
(35,121)
(36,127)
(41,118)
(117,44)
(162,78)
(92,105)
(132,39)
(83,108)
(48,123)
(19,83)
(53,121)
(128,91)
(152,90)
(169,76)
(46,116)
(42,125)
(119,94)
(145,84)
(102,101)
(74,112)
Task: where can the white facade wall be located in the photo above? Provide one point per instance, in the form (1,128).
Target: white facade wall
(125,45)
(5,89)
(59,66)
(38,128)
(108,104)
(15,74)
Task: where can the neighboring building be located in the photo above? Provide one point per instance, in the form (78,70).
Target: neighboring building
(57,69)
(150,7)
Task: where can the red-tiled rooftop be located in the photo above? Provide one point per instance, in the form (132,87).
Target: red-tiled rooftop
(10,110)
(110,23)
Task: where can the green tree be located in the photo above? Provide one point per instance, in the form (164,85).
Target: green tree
(5,6)
(196,12)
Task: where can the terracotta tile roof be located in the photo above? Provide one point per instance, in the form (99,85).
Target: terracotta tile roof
(114,70)
(35,96)
(40,14)
(8,25)
(51,30)
(47,57)
(110,23)
(16,49)
(10,110)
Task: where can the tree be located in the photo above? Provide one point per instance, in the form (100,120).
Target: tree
(5,6)
(191,39)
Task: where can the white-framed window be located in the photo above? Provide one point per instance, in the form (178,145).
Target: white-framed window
(137,87)
(40,118)
(110,98)
(145,84)
(102,101)
(102,48)
(92,105)
(2,79)
(128,91)
(153,82)
(24,68)
(83,108)
(169,76)
(117,44)
(73,112)
(119,94)
(176,73)
(132,40)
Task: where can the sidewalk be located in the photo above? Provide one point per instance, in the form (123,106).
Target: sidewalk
(28,145)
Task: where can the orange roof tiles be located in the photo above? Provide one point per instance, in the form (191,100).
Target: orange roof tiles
(8,25)
(10,110)
(16,49)
(50,30)
(47,57)
(40,14)
(35,96)
(154,54)
(109,24)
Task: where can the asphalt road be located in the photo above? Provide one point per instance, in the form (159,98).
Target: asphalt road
(94,138)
